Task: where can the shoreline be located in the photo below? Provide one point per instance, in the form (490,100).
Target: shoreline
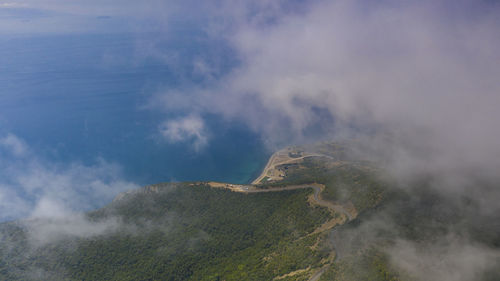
(263,173)
(287,155)
(257,172)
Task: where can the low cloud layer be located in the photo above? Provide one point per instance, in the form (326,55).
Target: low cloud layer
(45,230)
(32,187)
(14,145)
(447,260)
(187,129)
(415,81)
(48,199)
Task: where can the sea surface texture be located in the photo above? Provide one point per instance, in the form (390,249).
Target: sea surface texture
(81,98)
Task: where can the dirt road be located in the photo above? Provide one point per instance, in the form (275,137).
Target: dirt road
(318,274)
(317,190)
(280,158)
(316,198)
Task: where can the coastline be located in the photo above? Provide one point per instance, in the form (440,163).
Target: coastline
(258,171)
(263,172)
(287,155)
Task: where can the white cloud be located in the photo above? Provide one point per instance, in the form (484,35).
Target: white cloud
(13,145)
(424,73)
(31,187)
(188,129)
(11,203)
(448,259)
(52,221)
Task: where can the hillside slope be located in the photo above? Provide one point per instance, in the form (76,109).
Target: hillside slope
(347,226)
(178,232)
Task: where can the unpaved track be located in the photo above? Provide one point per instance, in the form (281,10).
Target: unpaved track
(316,187)
(317,190)
(318,274)
(316,198)
(272,165)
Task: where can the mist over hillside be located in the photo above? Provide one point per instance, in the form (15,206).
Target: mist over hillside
(392,109)
(372,228)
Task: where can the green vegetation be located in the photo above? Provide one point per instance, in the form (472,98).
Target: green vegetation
(182,233)
(370,265)
(189,231)
(344,181)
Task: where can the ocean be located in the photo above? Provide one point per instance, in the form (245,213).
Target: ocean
(82,97)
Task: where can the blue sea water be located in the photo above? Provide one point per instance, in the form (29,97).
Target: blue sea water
(77,98)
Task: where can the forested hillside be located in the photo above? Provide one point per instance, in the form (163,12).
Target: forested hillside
(191,231)
(179,232)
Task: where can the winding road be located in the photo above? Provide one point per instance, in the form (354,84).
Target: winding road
(273,162)
(316,198)
(317,190)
